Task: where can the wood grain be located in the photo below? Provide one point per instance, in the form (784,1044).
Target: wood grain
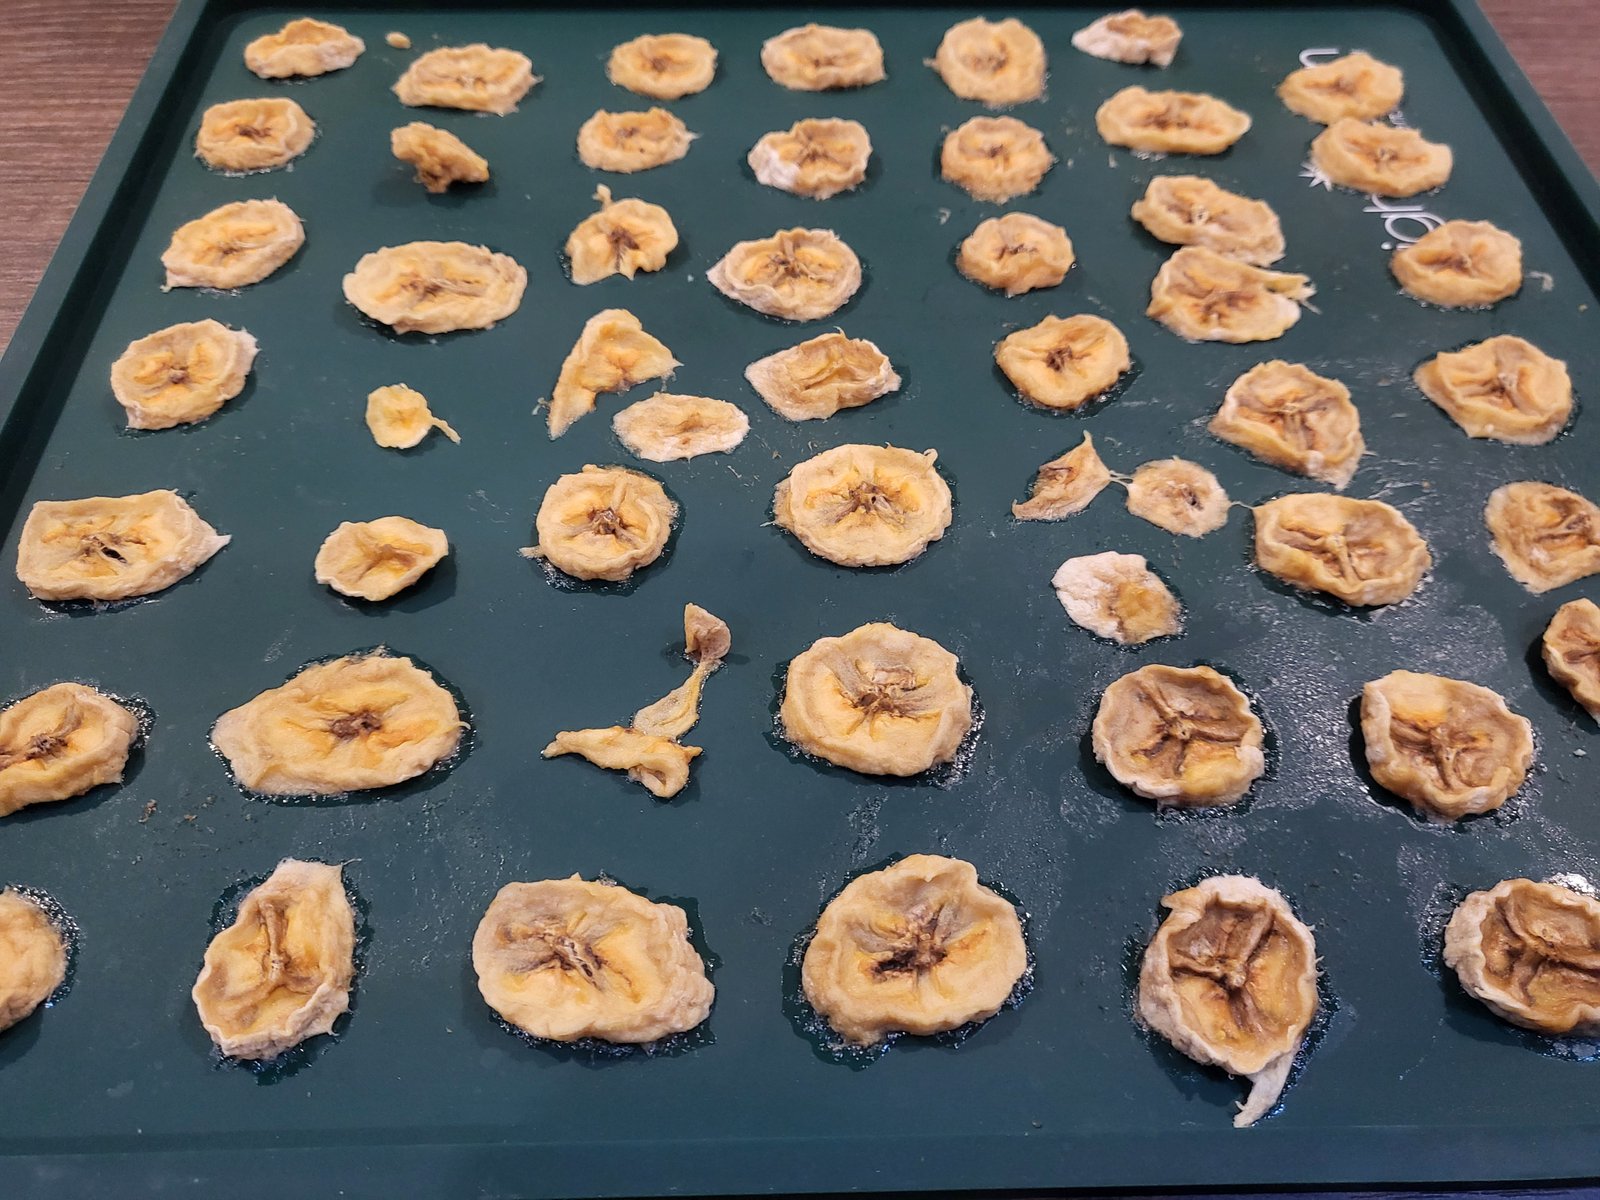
(67,68)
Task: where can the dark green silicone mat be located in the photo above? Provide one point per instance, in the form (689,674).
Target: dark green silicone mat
(115,1089)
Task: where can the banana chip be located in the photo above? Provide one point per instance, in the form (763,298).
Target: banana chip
(817,378)
(1189,210)
(918,947)
(232,246)
(397,40)
(1460,264)
(565,959)
(1117,596)
(112,547)
(1179,496)
(440,157)
(1505,388)
(878,700)
(303,47)
(181,374)
(1203,297)
(796,274)
(623,238)
(1380,159)
(1287,415)
(1170,122)
(995,158)
(1064,362)
(1355,86)
(436,287)
(1064,486)
(1016,253)
(1571,647)
(666,427)
(865,506)
(818,157)
(663,66)
(823,58)
(373,560)
(478,78)
(612,354)
(1547,536)
(398,418)
(281,973)
(626,142)
(60,742)
(998,62)
(602,523)
(1131,37)
(33,956)
(253,135)
(1363,552)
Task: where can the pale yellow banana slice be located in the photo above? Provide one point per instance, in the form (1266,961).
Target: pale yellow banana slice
(398,417)
(998,62)
(233,246)
(1355,86)
(181,374)
(1363,552)
(612,354)
(1170,122)
(33,956)
(60,742)
(602,523)
(623,238)
(1016,253)
(626,142)
(478,78)
(663,66)
(1179,496)
(1065,486)
(1204,297)
(817,378)
(1381,159)
(821,58)
(1547,536)
(865,506)
(1117,596)
(1571,649)
(1064,362)
(374,560)
(1189,210)
(796,274)
(668,427)
(1505,388)
(436,287)
(397,40)
(303,47)
(818,157)
(1460,264)
(1286,414)
(1131,37)
(253,135)
(659,763)
(995,158)
(439,156)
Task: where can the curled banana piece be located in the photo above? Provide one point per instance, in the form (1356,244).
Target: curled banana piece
(439,156)
(663,66)
(398,418)
(602,523)
(1460,264)
(865,506)
(626,142)
(374,560)
(1064,486)
(303,47)
(1547,536)
(1354,86)
(477,78)
(818,157)
(1118,597)
(669,427)
(1189,210)
(181,374)
(995,158)
(253,135)
(1064,362)
(817,378)
(1203,297)
(796,274)
(1179,496)
(1170,122)
(623,238)
(998,62)
(1363,552)
(1380,159)
(1016,253)
(33,956)
(823,58)
(233,246)
(436,287)
(612,354)
(1505,388)
(1571,649)
(1131,37)
(1286,414)
(60,742)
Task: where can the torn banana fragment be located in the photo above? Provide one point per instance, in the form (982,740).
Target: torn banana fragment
(477,78)
(1189,210)
(818,157)
(1179,496)
(1064,362)
(1363,552)
(623,238)
(612,354)
(1131,37)
(1016,253)
(1286,414)
(602,523)
(1203,297)
(1460,264)
(865,506)
(181,374)
(1117,596)
(1170,122)
(303,47)
(796,274)
(668,427)
(253,135)
(374,560)
(398,418)
(1230,979)
(706,642)
(1064,486)
(33,956)
(436,287)
(233,246)
(626,142)
(1571,648)
(565,959)
(348,725)
(1355,86)
(112,547)
(1380,159)
(663,66)
(817,378)
(919,947)
(998,62)
(439,156)
(1505,388)
(281,973)
(995,158)
(1547,536)
(823,58)
(60,742)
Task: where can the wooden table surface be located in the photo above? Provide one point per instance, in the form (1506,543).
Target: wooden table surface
(67,68)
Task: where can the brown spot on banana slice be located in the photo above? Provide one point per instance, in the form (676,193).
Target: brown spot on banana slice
(819,377)
(1355,86)
(1571,649)
(303,47)
(1131,37)
(668,427)
(1117,596)
(612,354)
(60,742)
(1016,253)
(626,142)
(663,66)
(865,506)
(1065,486)
(436,287)
(398,417)
(995,158)
(1460,264)
(1287,415)
(374,560)
(1170,122)
(1547,536)
(253,135)
(820,58)
(998,62)
(1189,210)
(1504,388)
(1064,362)
(233,246)
(181,374)
(440,157)
(818,157)
(623,238)
(1381,159)
(603,523)
(477,78)
(796,274)
(33,956)
(1179,496)
(1204,297)
(1363,552)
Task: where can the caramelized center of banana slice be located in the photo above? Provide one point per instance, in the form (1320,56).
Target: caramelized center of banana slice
(1235,965)
(1187,720)
(1545,953)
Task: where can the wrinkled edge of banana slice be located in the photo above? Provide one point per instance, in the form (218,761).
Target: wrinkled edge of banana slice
(62,963)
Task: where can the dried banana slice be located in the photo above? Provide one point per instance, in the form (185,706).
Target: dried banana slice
(397,40)
(181,374)
(1190,210)
(667,427)
(659,763)
(612,354)
(33,956)
(399,418)
(998,62)
(623,238)
(1355,86)
(817,378)
(373,560)
(478,78)
(1547,536)
(1064,362)
(1460,264)
(566,959)
(918,947)
(253,135)
(626,142)
(60,742)
(706,642)
(878,700)
(603,523)
(281,973)
(1178,496)
(1117,596)
(823,58)
(1064,486)
(1505,388)
(796,274)
(303,47)
(1381,159)
(233,246)
(436,287)
(1131,37)
(995,158)
(1363,552)
(1170,122)
(663,66)
(1571,647)
(1286,414)
(818,157)
(1016,253)
(440,157)
(1203,297)
(1230,979)
(865,506)
(112,547)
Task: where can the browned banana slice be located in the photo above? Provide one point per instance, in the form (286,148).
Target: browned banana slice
(440,157)
(865,506)
(818,157)
(253,135)
(1117,596)
(1363,552)
(663,66)
(1178,496)
(1016,253)
(626,142)
(1065,486)
(1355,86)
(60,742)
(1203,297)
(998,62)
(232,246)
(796,274)
(1189,210)
(398,418)
(33,956)
(374,560)
(1064,362)
(1286,414)
(1170,122)
(623,238)
(668,427)
(603,523)
(436,287)
(1460,264)
(1131,37)
(1381,159)
(1505,388)
(612,354)
(478,78)
(303,47)
(823,58)
(1547,536)
(817,378)
(181,374)
(659,763)
(995,158)
(1571,646)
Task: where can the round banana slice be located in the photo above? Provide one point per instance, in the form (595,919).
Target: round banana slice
(1355,86)
(1064,362)
(623,238)
(626,142)
(878,700)
(566,959)
(818,157)
(1203,297)
(796,274)
(1065,486)
(1189,210)
(1380,159)
(232,246)
(440,157)
(998,62)
(253,135)
(281,973)
(612,354)
(477,78)
(112,547)
(33,956)
(823,58)
(1460,264)
(1505,388)
(603,523)
(1363,552)
(1117,596)
(181,374)
(1179,496)
(398,418)
(436,287)
(1287,415)
(817,378)
(668,427)
(1131,37)
(865,506)
(1230,979)
(663,66)
(1571,646)
(1547,536)
(1526,950)
(1170,122)
(60,742)
(303,47)
(1016,253)
(995,158)
(349,725)
(1185,737)
(373,560)
(919,947)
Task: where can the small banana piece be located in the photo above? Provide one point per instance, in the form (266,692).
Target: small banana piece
(663,66)
(1354,86)
(33,956)
(1571,649)
(666,427)
(60,742)
(396,40)
(602,523)
(865,506)
(436,287)
(1065,486)
(626,142)
(1363,552)
(1117,596)
(181,374)
(1131,37)
(440,157)
(995,158)
(233,246)
(706,642)
(477,78)
(1064,362)
(1016,253)
(398,417)
(1505,388)
(817,378)
(253,135)
(796,274)
(1170,122)
(818,157)
(623,238)
(303,47)
(1547,536)
(1179,496)
(1000,63)
(1380,159)
(1203,297)
(1460,264)
(612,354)
(822,58)
(1189,210)
(1287,415)
(374,560)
